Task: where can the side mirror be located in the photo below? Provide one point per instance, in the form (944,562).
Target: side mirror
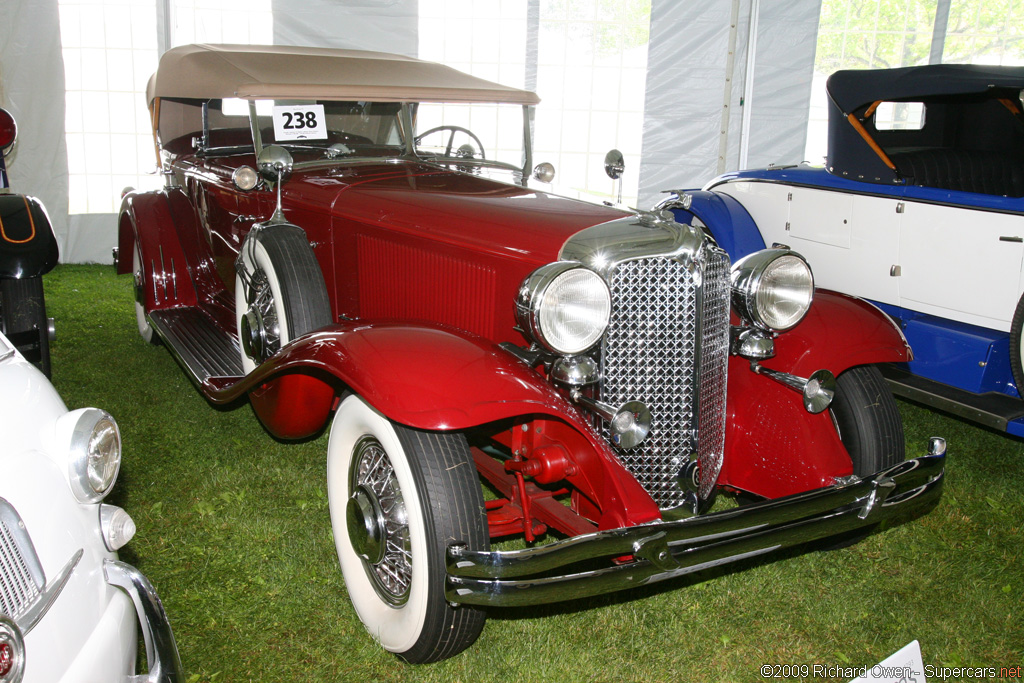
(614,164)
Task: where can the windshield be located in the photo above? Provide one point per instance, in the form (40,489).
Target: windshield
(332,129)
(469,135)
(488,134)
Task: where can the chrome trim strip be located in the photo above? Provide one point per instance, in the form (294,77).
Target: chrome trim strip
(42,604)
(162,659)
(669,549)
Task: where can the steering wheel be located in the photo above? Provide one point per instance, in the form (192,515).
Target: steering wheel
(464,149)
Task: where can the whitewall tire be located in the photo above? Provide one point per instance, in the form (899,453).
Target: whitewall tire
(283,295)
(139,282)
(398,497)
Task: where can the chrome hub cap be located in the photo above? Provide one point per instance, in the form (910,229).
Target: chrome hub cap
(378,523)
(366,525)
(261,333)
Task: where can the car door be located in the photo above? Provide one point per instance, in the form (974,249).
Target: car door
(961,263)
(851,241)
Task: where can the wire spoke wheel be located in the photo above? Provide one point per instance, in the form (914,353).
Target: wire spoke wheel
(398,498)
(379,523)
(279,292)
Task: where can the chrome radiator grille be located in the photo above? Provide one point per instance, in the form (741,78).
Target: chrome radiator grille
(18,587)
(667,346)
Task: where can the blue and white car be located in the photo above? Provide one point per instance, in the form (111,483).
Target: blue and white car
(918,209)
(70,611)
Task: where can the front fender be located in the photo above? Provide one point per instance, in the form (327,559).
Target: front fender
(774,446)
(838,333)
(421,376)
(433,378)
(725,218)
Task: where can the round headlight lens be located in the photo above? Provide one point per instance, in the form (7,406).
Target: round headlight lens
(95,452)
(773,289)
(564,307)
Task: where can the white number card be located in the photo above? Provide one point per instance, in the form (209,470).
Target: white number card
(299,122)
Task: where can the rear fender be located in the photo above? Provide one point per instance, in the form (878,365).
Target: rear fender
(146,218)
(774,447)
(432,378)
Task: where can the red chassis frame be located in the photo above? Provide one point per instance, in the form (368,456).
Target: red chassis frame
(471,383)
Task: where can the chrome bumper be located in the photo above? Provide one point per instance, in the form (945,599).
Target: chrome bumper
(162,660)
(664,550)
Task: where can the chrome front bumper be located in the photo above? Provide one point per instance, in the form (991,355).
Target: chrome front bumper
(162,660)
(640,555)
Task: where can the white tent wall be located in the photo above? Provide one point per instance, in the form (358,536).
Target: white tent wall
(698,88)
(32,90)
(686,94)
(381,25)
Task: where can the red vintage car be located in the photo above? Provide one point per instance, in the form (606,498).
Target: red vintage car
(351,240)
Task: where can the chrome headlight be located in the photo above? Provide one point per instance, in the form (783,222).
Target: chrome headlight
(772,289)
(94,453)
(564,307)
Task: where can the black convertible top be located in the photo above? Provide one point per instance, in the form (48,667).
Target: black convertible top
(972,138)
(851,90)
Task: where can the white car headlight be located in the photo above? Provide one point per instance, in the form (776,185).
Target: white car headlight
(94,452)
(564,307)
(772,289)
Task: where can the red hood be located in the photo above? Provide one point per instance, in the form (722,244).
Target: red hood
(477,212)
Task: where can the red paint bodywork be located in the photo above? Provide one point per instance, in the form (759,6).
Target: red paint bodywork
(773,446)
(394,241)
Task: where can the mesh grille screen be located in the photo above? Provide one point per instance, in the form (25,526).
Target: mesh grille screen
(17,587)
(664,315)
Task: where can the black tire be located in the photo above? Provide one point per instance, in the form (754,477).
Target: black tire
(379,474)
(871,429)
(868,420)
(283,295)
(1016,347)
(23,319)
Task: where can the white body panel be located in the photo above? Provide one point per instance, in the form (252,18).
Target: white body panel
(89,632)
(941,260)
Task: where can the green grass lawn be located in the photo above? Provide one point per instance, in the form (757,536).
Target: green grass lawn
(234,531)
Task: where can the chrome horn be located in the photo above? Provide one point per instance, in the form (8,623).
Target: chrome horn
(818,390)
(629,424)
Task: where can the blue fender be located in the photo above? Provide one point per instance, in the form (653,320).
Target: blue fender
(728,222)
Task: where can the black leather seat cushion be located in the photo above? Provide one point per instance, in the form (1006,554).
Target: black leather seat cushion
(980,171)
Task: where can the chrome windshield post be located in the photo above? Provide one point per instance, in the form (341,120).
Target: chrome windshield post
(527,145)
(254,125)
(409,132)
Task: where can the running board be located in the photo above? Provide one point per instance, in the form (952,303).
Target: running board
(199,346)
(991,409)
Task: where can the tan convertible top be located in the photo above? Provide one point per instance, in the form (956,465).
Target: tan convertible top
(283,72)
